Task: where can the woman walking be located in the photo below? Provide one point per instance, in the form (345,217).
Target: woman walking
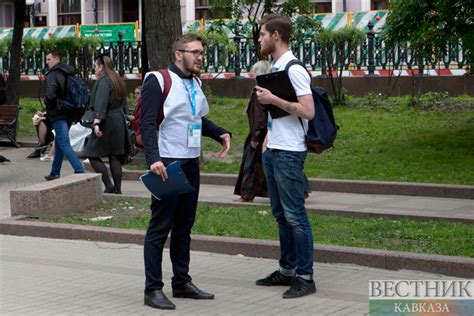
(109,136)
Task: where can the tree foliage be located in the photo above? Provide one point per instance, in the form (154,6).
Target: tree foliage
(254,10)
(338,46)
(217,43)
(428,26)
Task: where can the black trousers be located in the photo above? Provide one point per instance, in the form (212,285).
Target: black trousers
(177,215)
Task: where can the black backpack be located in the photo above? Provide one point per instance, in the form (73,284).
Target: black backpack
(77,97)
(322,128)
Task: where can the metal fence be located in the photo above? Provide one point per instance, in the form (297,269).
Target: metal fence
(372,54)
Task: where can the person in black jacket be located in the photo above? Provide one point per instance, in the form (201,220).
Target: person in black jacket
(178,139)
(55,92)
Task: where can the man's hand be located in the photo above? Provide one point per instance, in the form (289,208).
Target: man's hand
(225,145)
(159,169)
(264,96)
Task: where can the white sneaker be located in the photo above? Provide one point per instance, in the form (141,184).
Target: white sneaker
(45,158)
(86,160)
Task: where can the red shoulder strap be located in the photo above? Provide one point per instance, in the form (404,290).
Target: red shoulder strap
(166,89)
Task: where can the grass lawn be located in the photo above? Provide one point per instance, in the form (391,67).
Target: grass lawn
(379,139)
(390,141)
(434,237)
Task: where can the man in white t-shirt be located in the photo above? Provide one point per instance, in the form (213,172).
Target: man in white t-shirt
(283,162)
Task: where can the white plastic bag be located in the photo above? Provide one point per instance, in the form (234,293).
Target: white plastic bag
(77,136)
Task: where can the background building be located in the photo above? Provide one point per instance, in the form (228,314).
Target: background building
(67,12)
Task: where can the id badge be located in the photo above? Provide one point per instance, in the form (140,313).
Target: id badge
(194,135)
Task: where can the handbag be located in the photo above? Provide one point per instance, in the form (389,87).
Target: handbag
(88,118)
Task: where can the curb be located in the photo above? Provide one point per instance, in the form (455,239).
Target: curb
(351,186)
(380,259)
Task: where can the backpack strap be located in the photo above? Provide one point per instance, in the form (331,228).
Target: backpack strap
(166,90)
(287,67)
(296,62)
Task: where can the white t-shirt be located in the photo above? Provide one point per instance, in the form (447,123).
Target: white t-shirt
(286,133)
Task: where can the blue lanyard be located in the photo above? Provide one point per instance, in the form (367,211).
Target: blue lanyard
(191,95)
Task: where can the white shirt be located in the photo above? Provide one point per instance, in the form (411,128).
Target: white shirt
(286,133)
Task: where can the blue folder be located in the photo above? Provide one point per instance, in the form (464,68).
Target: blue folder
(176,184)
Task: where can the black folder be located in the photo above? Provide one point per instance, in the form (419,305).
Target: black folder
(176,184)
(280,85)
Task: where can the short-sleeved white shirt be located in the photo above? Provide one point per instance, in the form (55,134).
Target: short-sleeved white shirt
(286,133)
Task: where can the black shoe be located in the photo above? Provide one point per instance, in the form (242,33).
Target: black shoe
(110,190)
(158,299)
(190,290)
(50,177)
(35,154)
(299,288)
(276,278)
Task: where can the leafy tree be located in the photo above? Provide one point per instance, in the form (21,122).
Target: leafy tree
(428,26)
(15,61)
(254,10)
(337,47)
(217,44)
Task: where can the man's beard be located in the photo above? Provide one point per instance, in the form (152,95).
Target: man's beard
(268,49)
(190,67)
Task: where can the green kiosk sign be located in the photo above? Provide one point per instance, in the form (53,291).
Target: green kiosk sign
(110,32)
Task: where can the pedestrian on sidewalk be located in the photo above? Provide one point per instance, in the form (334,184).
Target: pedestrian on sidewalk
(178,138)
(55,93)
(283,160)
(110,137)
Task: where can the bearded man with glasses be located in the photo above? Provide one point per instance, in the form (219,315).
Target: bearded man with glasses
(177,138)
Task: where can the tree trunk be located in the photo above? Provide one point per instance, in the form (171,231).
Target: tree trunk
(163,26)
(15,60)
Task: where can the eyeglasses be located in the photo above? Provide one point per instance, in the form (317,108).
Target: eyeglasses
(196,52)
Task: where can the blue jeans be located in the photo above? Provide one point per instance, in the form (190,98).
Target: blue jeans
(62,147)
(286,184)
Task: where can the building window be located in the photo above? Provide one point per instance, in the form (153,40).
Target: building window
(319,6)
(204,11)
(379,5)
(69,12)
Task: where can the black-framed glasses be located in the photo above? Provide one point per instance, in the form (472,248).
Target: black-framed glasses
(196,52)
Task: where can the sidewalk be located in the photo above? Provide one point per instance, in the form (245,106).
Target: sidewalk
(51,276)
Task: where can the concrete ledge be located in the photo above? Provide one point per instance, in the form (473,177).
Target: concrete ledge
(351,186)
(61,196)
(392,260)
